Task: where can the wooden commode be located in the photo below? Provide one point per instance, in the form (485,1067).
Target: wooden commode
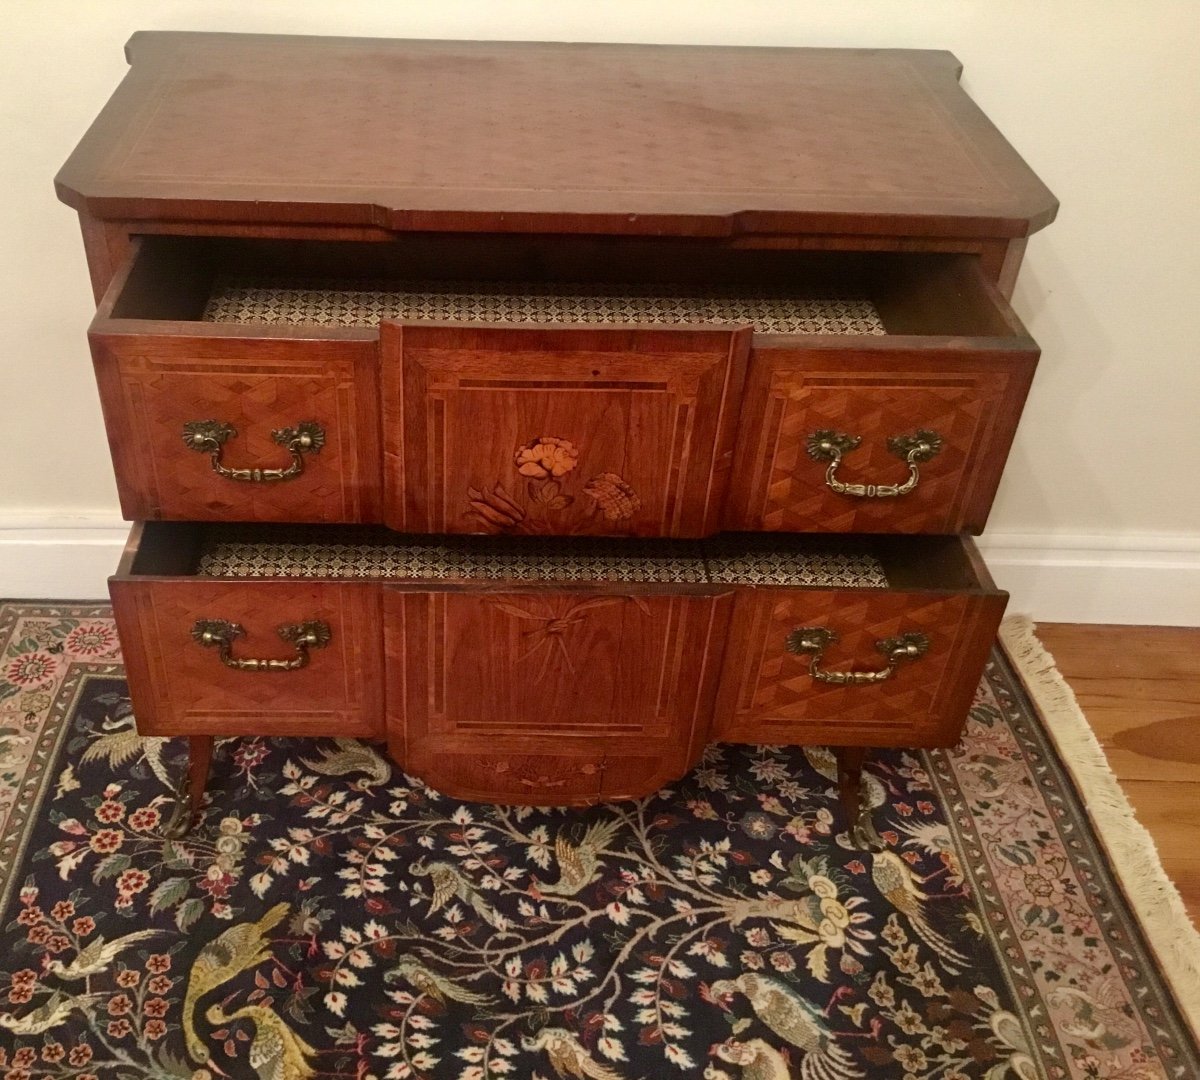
(548,411)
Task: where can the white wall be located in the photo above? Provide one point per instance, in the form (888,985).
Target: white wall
(1098,516)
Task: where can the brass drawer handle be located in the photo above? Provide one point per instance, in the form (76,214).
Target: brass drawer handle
(829,446)
(220,634)
(209,437)
(814,640)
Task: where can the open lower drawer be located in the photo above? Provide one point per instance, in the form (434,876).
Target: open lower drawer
(551,670)
(848,665)
(508,384)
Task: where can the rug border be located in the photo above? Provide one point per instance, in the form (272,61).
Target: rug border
(1151,894)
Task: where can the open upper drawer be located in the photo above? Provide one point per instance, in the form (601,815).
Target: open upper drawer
(558,385)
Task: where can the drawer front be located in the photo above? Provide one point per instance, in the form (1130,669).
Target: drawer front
(180,686)
(550,696)
(883,402)
(770,695)
(504,776)
(242,430)
(563,431)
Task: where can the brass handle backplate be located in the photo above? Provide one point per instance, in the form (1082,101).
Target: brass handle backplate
(210,436)
(814,640)
(830,446)
(221,634)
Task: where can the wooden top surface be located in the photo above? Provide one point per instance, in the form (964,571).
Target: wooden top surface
(529,136)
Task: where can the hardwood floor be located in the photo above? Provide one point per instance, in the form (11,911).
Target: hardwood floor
(1139,687)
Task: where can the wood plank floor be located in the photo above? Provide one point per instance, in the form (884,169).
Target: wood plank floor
(1139,687)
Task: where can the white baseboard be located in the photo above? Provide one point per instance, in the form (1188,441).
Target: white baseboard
(1134,579)
(1146,579)
(59,558)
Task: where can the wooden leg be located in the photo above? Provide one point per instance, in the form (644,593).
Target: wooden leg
(859,827)
(190,793)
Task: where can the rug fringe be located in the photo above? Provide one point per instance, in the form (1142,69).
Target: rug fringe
(1152,895)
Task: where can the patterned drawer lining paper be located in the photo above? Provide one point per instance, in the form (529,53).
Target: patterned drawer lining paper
(334,303)
(254,552)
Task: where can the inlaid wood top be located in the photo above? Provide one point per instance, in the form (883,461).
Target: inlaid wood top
(530,136)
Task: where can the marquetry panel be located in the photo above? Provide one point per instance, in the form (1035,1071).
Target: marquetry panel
(180,687)
(152,387)
(552,137)
(972,403)
(481,684)
(544,779)
(563,431)
(768,694)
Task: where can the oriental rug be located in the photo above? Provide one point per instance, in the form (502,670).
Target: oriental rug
(333,917)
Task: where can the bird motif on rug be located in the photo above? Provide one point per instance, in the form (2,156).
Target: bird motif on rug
(348,756)
(989,776)
(896,883)
(795,1021)
(567,1055)
(237,949)
(1020,1065)
(1097,1015)
(579,864)
(447,882)
(98,955)
(276,1051)
(824,760)
(117,742)
(759,1061)
(51,1014)
(933,838)
(410,970)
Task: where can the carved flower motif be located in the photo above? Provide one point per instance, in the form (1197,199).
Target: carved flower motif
(546,456)
(616,500)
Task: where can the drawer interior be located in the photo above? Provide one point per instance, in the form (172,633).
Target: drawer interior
(540,280)
(242,298)
(336,552)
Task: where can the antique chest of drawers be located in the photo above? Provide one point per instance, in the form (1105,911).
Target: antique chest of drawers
(547,411)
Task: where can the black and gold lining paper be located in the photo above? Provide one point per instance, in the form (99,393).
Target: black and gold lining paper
(340,303)
(249,551)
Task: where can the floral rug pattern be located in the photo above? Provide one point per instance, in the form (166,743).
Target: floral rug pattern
(333,917)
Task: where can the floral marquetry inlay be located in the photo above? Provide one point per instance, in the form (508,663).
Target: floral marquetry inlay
(545,463)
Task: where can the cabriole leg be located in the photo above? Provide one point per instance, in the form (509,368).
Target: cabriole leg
(190,793)
(859,827)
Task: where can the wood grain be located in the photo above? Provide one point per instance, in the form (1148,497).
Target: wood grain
(178,687)
(1171,812)
(1139,687)
(550,137)
(108,248)
(972,400)
(649,416)
(151,385)
(767,694)
(555,695)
